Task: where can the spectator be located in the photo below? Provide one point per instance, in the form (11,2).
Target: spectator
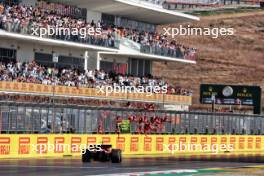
(23,19)
(35,73)
(1,9)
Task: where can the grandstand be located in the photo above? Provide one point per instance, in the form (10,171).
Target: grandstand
(49,83)
(121,42)
(80,74)
(58,74)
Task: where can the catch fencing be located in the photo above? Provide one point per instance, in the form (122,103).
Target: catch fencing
(47,118)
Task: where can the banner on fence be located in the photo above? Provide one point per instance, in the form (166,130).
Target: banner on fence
(22,146)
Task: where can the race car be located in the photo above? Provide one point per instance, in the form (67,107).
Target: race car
(106,153)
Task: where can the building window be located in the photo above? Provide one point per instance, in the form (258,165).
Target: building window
(107,66)
(7,55)
(139,67)
(71,62)
(63,61)
(108,20)
(118,68)
(44,59)
(134,67)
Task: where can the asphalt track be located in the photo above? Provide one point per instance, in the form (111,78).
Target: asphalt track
(74,167)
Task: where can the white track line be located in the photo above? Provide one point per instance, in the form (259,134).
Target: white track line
(179,171)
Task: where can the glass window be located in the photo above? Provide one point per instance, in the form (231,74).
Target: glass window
(7,55)
(107,66)
(44,59)
(63,61)
(134,67)
(127,23)
(70,62)
(139,67)
(108,19)
(147,67)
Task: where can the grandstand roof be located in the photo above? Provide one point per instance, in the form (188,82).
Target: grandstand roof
(134,9)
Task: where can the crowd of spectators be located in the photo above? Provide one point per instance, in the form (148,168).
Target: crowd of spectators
(19,98)
(35,73)
(156,2)
(155,43)
(23,19)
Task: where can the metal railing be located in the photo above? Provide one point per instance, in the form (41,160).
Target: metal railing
(167,52)
(162,51)
(90,40)
(34,118)
(158,3)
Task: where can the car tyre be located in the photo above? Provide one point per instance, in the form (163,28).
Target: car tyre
(86,157)
(116,156)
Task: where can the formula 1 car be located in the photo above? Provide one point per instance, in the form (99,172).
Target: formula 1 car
(106,153)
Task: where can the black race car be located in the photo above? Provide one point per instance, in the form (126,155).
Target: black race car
(106,153)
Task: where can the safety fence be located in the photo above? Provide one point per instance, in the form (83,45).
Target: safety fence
(52,118)
(50,90)
(25,146)
(69,37)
